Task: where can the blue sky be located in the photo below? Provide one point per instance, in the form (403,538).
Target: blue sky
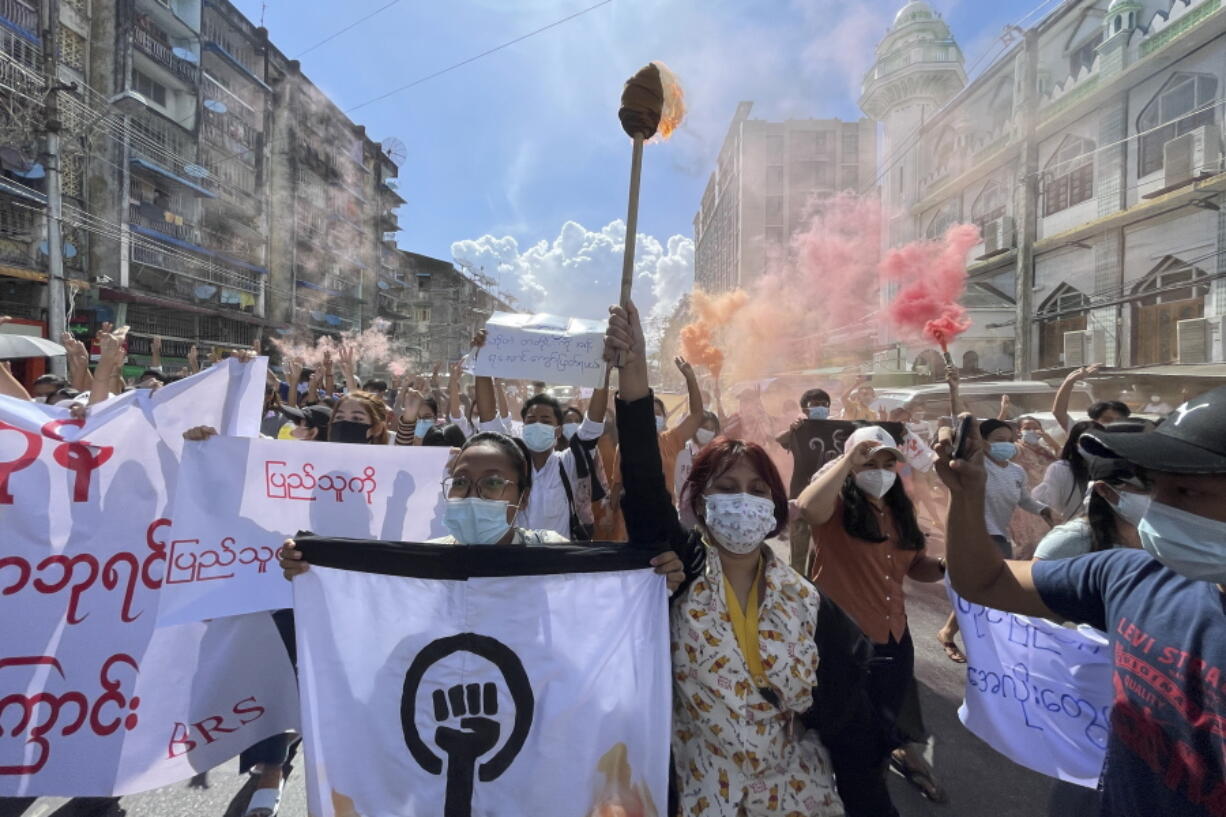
(523,146)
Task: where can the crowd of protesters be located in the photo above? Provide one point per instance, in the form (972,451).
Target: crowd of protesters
(1098,520)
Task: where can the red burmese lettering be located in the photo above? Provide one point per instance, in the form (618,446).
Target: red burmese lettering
(180,735)
(215,725)
(30,705)
(34,445)
(114,696)
(255,710)
(157,548)
(69,565)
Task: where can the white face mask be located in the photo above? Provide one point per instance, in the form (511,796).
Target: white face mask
(476,521)
(1132,507)
(1191,545)
(876,481)
(569,430)
(739,522)
(539,437)
(704,436)
(1032,437)
(659,423)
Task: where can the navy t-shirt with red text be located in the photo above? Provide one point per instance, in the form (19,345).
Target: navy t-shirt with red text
(1167,750)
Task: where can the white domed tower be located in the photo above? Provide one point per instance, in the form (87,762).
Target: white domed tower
(919,68)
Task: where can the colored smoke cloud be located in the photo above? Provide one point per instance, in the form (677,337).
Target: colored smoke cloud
(933,274)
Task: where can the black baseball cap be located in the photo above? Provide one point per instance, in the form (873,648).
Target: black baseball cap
(315,416)
(1192,440)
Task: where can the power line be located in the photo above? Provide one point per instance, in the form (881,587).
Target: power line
(352,25)
(476,57)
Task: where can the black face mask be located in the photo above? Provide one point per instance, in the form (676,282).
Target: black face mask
(347,431)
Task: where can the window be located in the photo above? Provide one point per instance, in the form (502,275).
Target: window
(1173,291)
(1182,106)
(803,175)
(774,210)
(774,146)
(422,314)
(988,206)
(849,178)
(153,91)
(1084,55)
(821,142)
(1065,310)
(942,221)
(1070,175)
(16,221)
(774,179)
(825,174)
(851,146)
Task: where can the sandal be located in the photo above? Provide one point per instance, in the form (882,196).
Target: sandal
(922,779)
(952,651)
(264,803)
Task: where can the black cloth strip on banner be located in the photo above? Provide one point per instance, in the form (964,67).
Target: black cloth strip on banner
(462,562)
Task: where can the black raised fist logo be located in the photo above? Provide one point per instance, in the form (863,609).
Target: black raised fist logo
(466,730)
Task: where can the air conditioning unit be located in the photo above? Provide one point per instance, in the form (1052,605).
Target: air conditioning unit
(999,235)
(1195,154)
(1084,348)
(1194,338)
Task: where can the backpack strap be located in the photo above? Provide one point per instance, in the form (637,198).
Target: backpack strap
(578,531)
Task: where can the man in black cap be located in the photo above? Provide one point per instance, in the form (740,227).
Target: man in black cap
(1163,607)
(310,422)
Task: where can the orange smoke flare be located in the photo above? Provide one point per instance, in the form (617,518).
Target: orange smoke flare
(674,102)
(713,312)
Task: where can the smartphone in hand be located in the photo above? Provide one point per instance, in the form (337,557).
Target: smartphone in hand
(962,437)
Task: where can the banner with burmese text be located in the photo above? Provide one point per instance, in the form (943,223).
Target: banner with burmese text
(95,698)
(466,680)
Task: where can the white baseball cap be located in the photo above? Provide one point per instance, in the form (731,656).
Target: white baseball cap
(885,441)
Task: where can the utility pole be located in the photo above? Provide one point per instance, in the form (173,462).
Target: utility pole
(1028,209)
(56,302)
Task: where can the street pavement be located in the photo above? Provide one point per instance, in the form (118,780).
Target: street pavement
(980,782)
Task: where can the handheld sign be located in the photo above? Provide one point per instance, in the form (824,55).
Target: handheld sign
(560,351)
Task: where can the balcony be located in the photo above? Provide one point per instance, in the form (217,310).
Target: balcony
(142,216)
(388,222)
(22,15)
(154,44)
(226,278)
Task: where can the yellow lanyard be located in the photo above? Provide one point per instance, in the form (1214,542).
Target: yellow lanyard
(745,626)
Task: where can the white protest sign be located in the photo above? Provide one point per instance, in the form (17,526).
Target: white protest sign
(1038,693)
(239,499)
(559,351)
(94,699)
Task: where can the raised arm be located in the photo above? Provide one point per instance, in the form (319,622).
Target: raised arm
(155,352)
(693,421)
(500,392)
(719,398)
(1059,406)
(110,364)
(1003,414)
(646,503)
(78,363)
(455,375)
(329,374)
(977,570)
(598,406)
(820,497)
(9,385)
(346,355)
(955,401)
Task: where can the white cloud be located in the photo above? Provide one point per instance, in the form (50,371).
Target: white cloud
(578,273)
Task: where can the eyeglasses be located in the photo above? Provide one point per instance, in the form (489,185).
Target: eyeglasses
(490,487)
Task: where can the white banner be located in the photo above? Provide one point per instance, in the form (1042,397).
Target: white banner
(239,499)
(93,699)
(560,351)
(1038,693)
(521,695)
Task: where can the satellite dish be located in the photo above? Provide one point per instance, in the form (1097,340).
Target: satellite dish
(215,105)
(395,149)
(34,171)
(196,171)
(70,250)
(381,284)
(183,54)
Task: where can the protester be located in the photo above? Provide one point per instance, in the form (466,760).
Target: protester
(416,414)
(46,385)
(1157,405)
(867,541)
(1063,488)
(858,401)
(561,500)
(814,405)
(359,417)
(1036,451)
(1163,608)
(310,423)
(739,701)
(1006,493)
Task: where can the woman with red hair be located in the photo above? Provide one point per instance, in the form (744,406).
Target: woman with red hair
(745,625)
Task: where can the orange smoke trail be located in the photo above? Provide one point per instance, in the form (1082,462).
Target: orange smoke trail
(713,312)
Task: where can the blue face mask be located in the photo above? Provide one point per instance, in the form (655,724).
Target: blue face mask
(818,412)
(1002,451)
(422,427)
(540,437)
(476,521)
(569,430)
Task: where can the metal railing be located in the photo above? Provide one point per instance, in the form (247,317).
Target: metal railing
(183,232)
(21,13)
(161,53)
